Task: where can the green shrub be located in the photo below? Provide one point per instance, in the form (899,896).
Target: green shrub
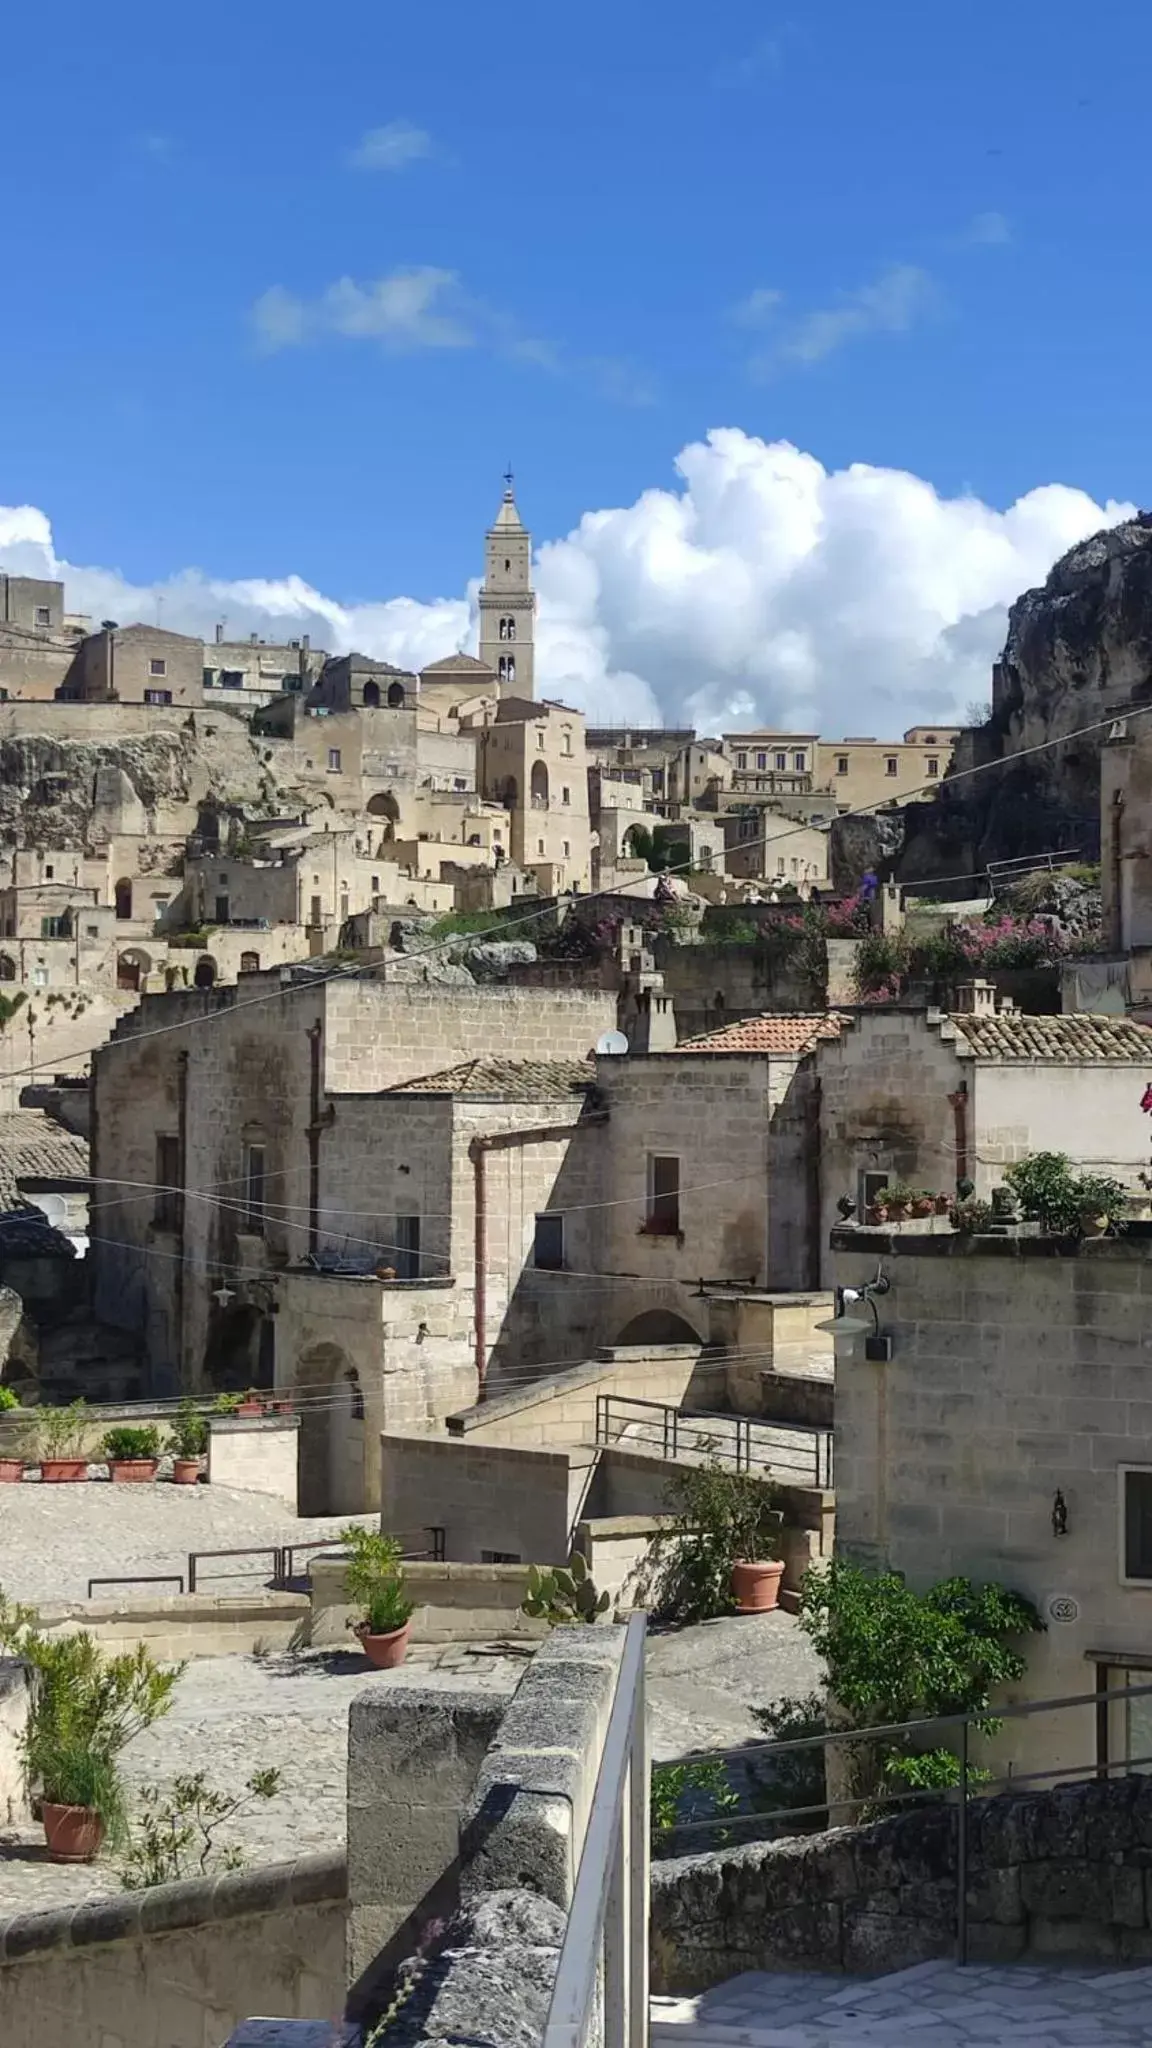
(8,1400)
(60,1432)
(189,1434)
(722,1517)
(1049,1191)
(175,1835)
(689,1791)
(374,1578)
(126,1443)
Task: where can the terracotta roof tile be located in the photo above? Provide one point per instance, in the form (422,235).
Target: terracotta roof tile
(34,1146)
(1066,1040)
(506,1080)
(780,1034)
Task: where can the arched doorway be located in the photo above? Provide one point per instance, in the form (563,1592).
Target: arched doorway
(371,696)
(123,897)
(658,1326)
(330,1400)
(232,1352)
(384,805)
(7,967)
(133,967)
(205,975)
(539,786)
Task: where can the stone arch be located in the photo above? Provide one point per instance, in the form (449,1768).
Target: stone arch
(539,783)
(397,697)
(133,966)
(330,1400)
(7,967)
(384,805)
(206,972)
(371,696)
(249,963)
(658,1326)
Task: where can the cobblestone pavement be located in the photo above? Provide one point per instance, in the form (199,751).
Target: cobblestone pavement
(931,2005)
(53,1539)
(233,1715)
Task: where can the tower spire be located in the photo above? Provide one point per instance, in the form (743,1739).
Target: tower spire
(507,600)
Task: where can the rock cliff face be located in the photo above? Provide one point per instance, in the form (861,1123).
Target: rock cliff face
(57,792)
(1078,650)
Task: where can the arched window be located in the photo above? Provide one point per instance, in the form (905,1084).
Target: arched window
(371,696)
(249,963)
(511,625)
(508,668)
(539,785)
(123,899)
(7,967)
(503,629)
(205,975)
(396,696)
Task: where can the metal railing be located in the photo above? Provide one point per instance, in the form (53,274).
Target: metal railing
(961,1726)
(801,1455)
(284,1555)
(141,1579)
(606,1939)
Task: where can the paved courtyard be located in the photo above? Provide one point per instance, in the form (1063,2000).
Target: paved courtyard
(932,2005)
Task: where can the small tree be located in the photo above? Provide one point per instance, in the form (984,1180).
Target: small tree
(722,1517)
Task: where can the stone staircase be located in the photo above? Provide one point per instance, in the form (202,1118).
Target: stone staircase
(932,2005)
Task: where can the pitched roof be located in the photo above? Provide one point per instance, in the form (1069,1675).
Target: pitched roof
(457,665)
(34,1146)
(1065,1040)
(506,1080)
(508,517)
(780,1034)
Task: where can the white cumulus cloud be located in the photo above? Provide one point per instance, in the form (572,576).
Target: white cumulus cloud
(761,588)
(409,309)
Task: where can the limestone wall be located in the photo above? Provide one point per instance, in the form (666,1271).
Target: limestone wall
(257,1454)
(177,1966)
(1051,1875)
(454,1603)
(178,1625)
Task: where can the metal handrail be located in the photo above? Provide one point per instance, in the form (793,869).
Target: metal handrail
(140,1579)
(1100,1699)
(816,1440)
(607,1930)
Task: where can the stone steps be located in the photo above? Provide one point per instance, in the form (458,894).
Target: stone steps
(931,2005)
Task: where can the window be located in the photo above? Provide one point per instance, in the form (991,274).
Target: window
(157,696)
(540,738)
(798,762)
(223,907)
(157,666)
(741,760)
(40,977)
(249,963)
(43,615)
(208,678)
(511,629)
(254,1188)
(781,761)
(565,796)
(501,1557)
(56,927)
(222,878)
(540,846)
(929,739)
(872,1186)
(761,760)
(406,1251)
(780,864)
(1136,1523)
(841,764)
(231,679)
(567,850)
(375,884)
(566,742)
(933,765)
(663,1212)
(548,1244)
(507,565)
(891,765)
(168,1213)
(92,931)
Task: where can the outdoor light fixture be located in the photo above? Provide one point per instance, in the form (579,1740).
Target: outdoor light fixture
(1059,1514)
(847,1323)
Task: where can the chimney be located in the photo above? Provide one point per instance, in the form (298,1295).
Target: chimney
(975,999)
(219,632)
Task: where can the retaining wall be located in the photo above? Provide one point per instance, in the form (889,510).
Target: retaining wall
(455,1603)
(177,1966)
(1060,1873)
(182,1625)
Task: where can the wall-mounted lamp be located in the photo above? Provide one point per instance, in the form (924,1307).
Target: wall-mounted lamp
(847,1322)
(1059,1514)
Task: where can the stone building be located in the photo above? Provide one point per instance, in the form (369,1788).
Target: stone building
(37,638)
(766,841)
(930,1098)
(245,674)
(273,1160)
(1009,1437)
(353,682)
(858,771)
(508,602)
(532,759)
(136,665)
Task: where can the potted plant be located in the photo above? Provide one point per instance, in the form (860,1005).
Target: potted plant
(187,1444)
(942,1204)
(899,1197)
(80,1799)
(972,1216)
(60,1436)
(720,1553)
(923,1203)
(374,1579)
(1099,1201)
(11,1443)
(132,1452)
(877,1212)
(226,1404)
(251,1404)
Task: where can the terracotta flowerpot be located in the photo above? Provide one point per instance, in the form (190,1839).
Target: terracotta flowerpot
(756,1585)
(11,1471)
(63,1471)
(73,1833)
(877,1213)
(898,1212)
(132,1471)
(384,1651)
(923,1207)
(249,1408)
(943,1204)
(185,1471)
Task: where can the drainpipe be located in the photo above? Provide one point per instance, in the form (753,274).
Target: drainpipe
(317,1121)
(1116,920)
(959,1103)
(478,1150)
(182,1366)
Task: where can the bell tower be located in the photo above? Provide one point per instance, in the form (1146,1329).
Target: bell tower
(508,601)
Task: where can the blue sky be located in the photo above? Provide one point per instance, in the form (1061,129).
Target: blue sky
(903,235)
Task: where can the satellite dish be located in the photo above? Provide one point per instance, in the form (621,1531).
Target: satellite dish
(613,1042)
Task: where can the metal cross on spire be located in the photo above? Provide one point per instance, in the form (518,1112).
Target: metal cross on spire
(508,478)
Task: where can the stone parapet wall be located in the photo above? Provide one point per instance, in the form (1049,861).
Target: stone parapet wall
(1050,1874)
(454,1603)
(177,1965)
(183,1625)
